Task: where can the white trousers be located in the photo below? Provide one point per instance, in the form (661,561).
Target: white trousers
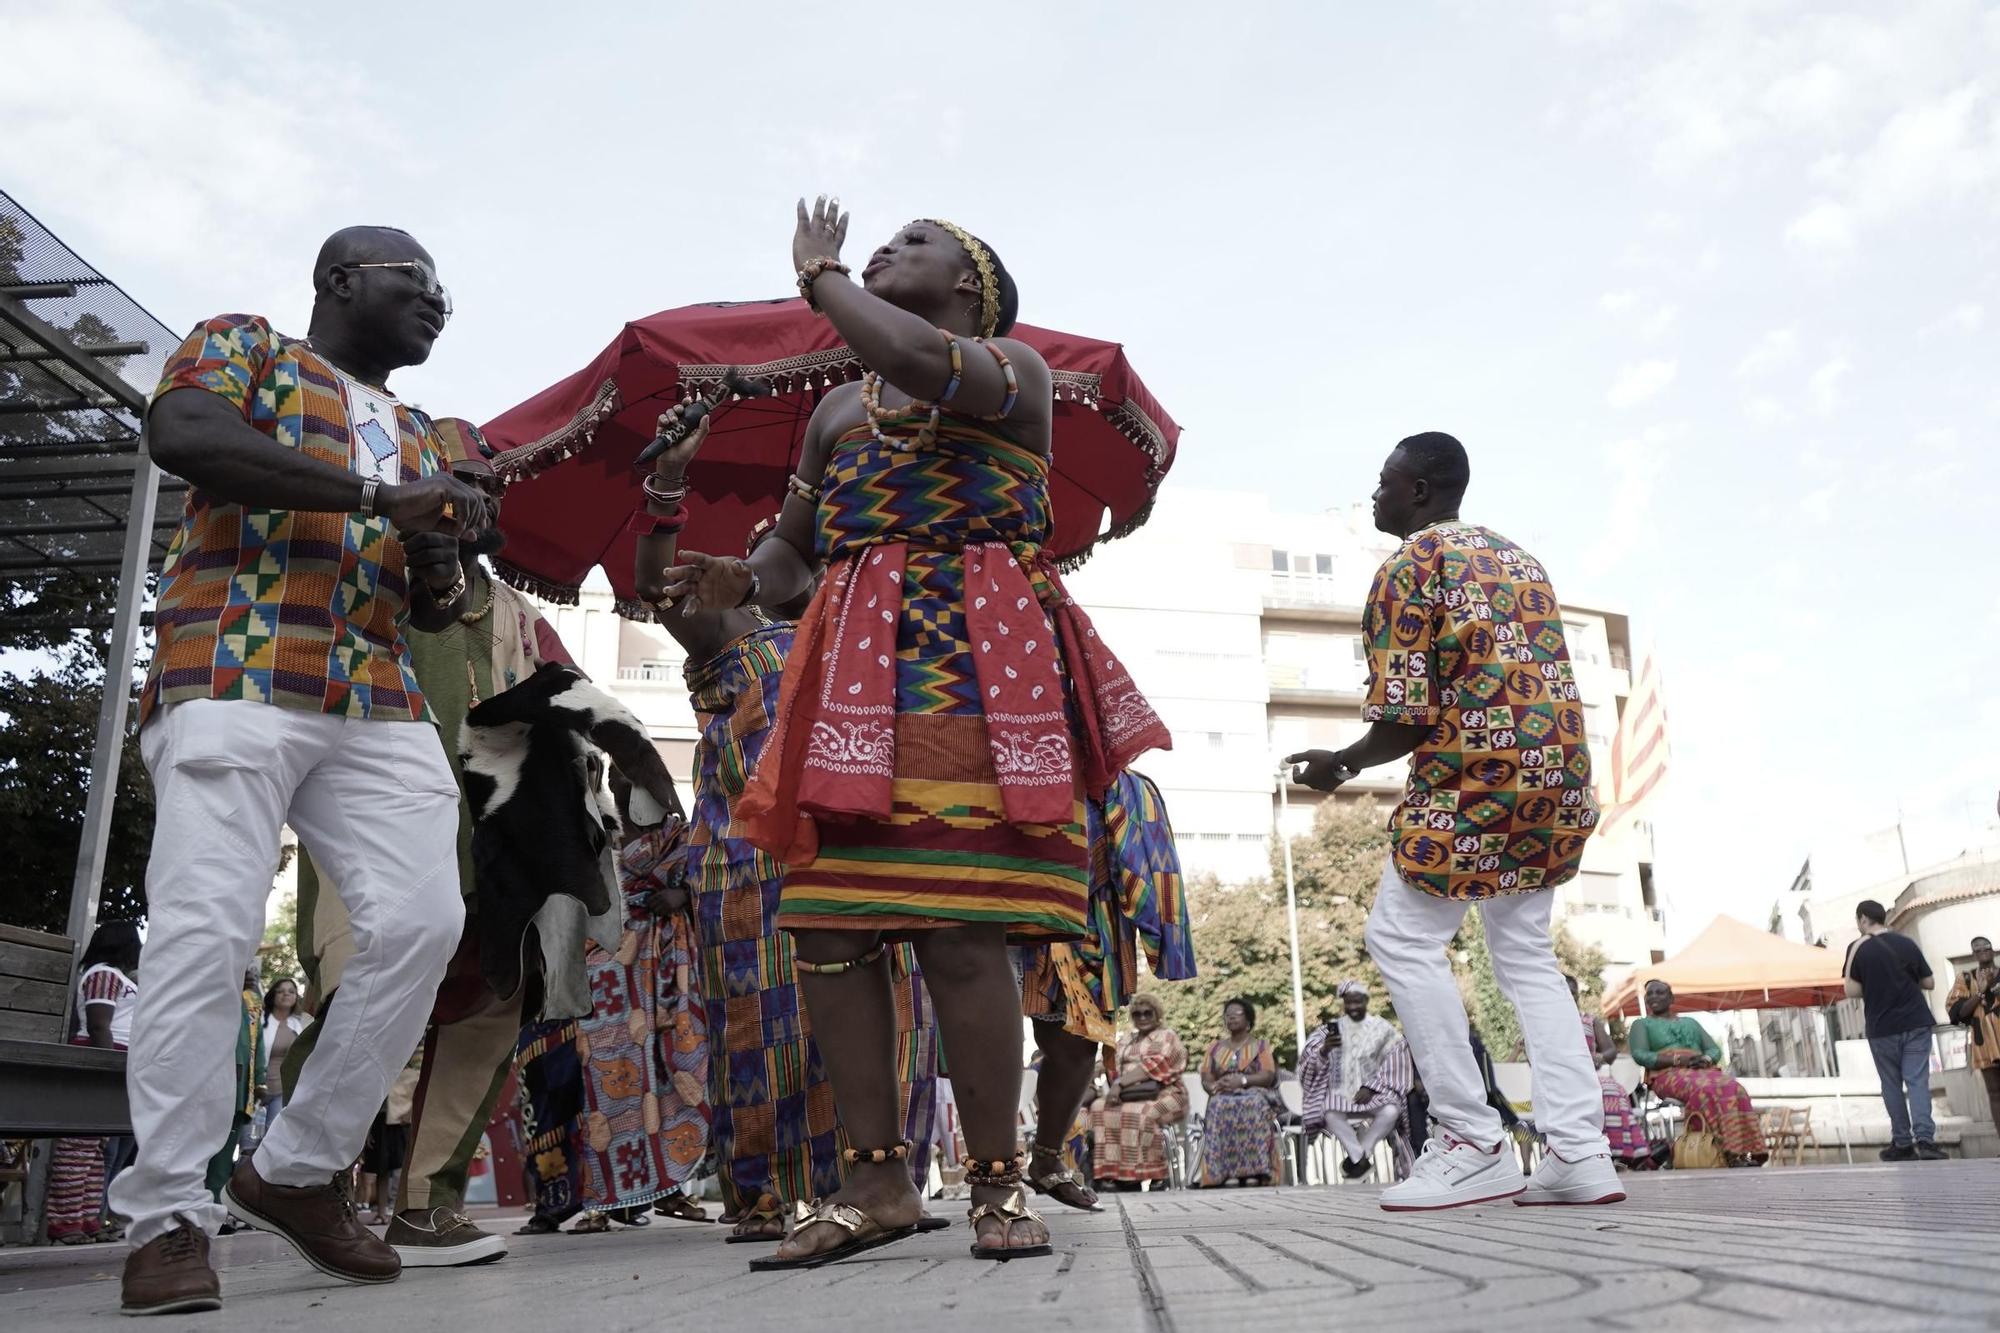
(1381,1124)
(377,804)
(1407,934)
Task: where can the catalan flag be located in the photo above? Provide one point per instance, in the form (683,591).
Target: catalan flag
(1639,751)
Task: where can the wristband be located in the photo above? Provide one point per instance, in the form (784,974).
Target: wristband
(756,586)
(645,523)
(370,486)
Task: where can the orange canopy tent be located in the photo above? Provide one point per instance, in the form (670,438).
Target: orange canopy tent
(1734,965)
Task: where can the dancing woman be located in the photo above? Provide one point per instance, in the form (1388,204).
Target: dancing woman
(774,1129)
(944,710)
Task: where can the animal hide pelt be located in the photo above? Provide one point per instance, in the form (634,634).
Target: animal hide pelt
(542,826)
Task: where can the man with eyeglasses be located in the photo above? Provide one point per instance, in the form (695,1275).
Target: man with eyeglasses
(496,639)
(282,692)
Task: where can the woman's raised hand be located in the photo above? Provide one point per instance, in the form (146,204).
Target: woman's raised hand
(821,233)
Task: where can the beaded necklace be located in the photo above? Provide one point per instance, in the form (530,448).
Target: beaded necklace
(871,398)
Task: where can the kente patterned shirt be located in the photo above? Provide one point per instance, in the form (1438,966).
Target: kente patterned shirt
(303,610)
(1465,635)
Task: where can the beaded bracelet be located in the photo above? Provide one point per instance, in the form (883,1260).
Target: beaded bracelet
(1007,374)
(957,366)
(797,486)
(811,274)
(659,492)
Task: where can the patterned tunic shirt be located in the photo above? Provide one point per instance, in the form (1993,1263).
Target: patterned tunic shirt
(1464,635)
(303,610)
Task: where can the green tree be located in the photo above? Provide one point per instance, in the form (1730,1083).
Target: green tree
(279,954)
(1243,946)
(1243,943)
(1499,1026)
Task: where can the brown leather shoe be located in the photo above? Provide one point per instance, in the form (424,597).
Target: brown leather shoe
(318,1220)
(170,1274)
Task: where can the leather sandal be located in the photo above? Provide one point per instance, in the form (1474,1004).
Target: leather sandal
(1067,1187)
(863,1233)
(768,1209)
(1014,1208)
(681,1208)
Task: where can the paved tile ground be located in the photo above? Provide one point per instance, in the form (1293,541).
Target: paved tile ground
(1874,1248)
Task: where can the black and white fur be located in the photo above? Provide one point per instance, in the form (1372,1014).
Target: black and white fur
(543,827)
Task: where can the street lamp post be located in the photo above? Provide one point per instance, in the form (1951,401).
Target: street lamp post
(1292,911)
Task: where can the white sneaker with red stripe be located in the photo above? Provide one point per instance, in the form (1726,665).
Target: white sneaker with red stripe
(1584,1181)
(1452,1173)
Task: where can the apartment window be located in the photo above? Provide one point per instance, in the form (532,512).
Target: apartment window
(1323,564)
(1280,561)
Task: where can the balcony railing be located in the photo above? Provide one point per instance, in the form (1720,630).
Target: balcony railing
(653,673)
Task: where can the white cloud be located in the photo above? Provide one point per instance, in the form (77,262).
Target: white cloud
(1937,150)
(1660,322)
(1767,413)
(1617,303)
(1826,230)
(1774,351)
(1965,317)
(1824,388)
(1817,505)
(1637,463)
(1807,98)
(1639,382)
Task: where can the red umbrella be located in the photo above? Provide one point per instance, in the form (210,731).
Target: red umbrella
(569,450)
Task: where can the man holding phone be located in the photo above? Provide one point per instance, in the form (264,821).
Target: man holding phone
(282,693)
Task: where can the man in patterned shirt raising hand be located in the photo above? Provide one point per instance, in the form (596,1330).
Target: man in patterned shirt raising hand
(282,693)
(1469,675)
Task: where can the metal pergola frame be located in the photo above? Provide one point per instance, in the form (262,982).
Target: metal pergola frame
(78,492)
(124,468)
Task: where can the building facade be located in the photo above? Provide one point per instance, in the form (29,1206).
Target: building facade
(1242,623)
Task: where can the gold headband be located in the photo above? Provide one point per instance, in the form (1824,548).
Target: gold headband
(989,281)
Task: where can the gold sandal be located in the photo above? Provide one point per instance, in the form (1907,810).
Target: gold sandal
(1014,1208)
(768,1209)
(1054,1182)
(863,1233)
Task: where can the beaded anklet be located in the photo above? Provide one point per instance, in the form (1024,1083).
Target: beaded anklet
(869,959)
(996,1174)
(855,1156)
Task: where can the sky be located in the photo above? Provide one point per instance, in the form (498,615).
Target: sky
(1710,290)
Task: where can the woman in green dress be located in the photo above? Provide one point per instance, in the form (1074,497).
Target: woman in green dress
(1682,1064)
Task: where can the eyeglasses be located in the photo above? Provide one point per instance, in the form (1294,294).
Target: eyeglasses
(425,275)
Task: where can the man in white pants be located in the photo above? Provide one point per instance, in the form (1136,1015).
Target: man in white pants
(282,692)
(1470,676)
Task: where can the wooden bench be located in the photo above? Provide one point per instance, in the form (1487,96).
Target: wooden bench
(34,984)
(49,1088)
